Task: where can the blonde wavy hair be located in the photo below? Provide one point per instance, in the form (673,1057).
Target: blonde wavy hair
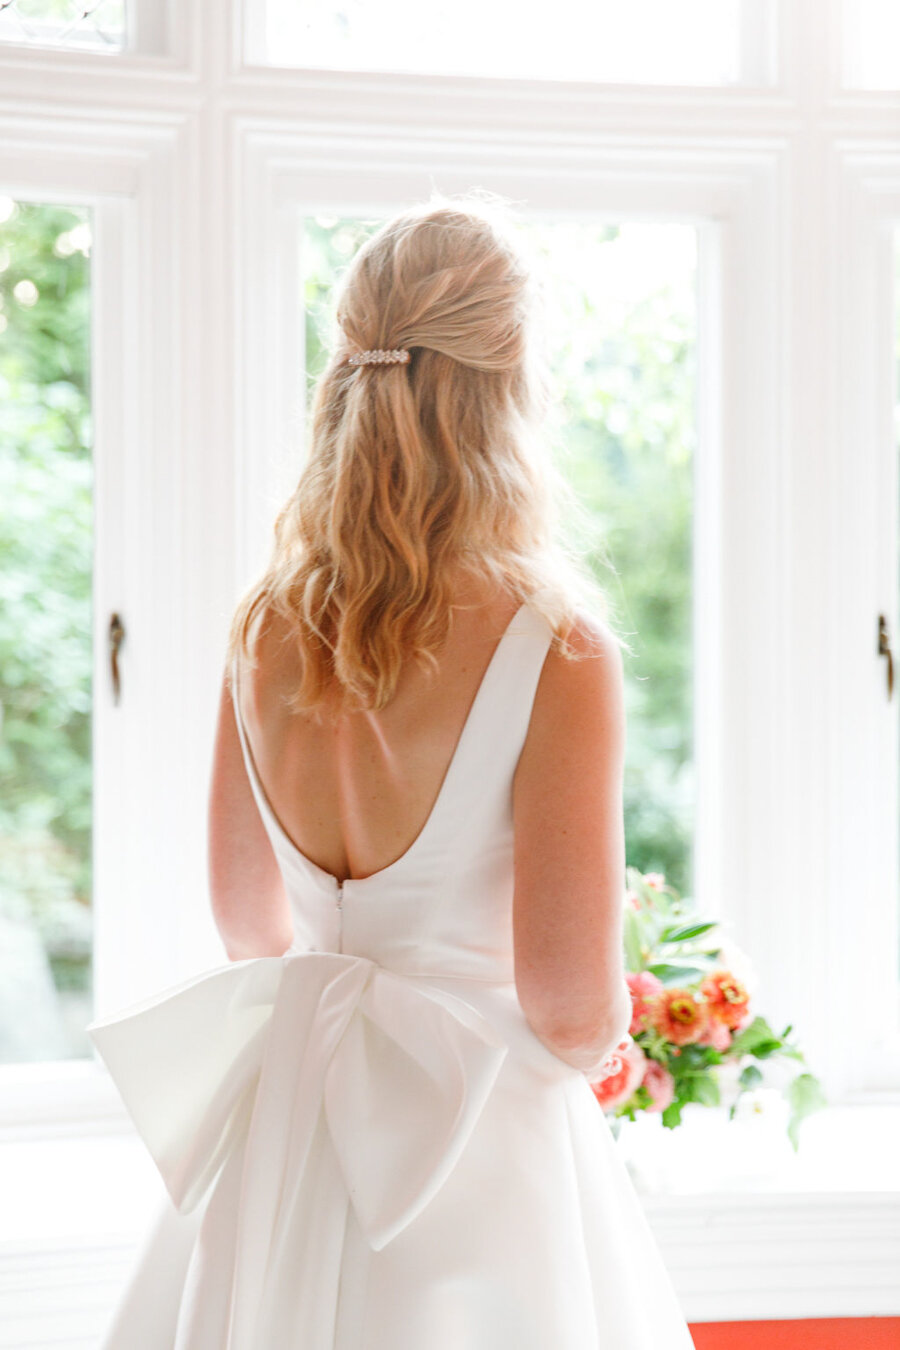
(417,468)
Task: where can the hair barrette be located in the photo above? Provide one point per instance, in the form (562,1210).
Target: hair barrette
(379,357)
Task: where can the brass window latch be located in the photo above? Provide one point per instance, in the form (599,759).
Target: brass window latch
(116,637)
(884,649)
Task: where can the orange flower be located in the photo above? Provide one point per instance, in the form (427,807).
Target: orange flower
(678,1015)
(726,998)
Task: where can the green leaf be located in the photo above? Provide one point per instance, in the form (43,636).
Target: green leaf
(671,972)
(765,1049)
(806,1096)
(692,930)
(706,1090)
(671,1116)
(632,942)
(757,1033)
(805,1093)
(750,1076)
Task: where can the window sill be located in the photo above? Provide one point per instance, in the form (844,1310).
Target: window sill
(73,1098)
(843,1149)
(751,1229)
(748,1229)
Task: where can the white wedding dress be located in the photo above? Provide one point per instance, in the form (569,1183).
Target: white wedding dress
(365,1145)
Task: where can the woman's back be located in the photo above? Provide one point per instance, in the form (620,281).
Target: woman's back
(352,801)
(354,797)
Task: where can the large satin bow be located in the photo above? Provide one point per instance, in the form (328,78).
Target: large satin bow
(250,1052)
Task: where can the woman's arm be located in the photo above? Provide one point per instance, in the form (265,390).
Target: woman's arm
(570,855)
(249,903)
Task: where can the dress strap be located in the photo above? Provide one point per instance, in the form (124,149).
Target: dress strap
(481,793)
(271,821)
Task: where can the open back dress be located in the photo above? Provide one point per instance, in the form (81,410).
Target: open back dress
(363,1143)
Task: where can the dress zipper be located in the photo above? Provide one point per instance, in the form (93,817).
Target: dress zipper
(340,903)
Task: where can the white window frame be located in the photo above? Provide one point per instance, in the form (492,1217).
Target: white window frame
(862,798)
(198,166)
(148,929)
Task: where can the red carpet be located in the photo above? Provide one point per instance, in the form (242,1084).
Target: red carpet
(820,1333)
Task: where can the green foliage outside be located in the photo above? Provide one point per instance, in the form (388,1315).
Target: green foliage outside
(46,532)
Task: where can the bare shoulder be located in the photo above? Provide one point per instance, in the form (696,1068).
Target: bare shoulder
(591,678)
(578,709)
(591,639)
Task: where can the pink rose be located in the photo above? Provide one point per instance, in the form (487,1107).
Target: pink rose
(660,1084)
(619,1086)
(643,987)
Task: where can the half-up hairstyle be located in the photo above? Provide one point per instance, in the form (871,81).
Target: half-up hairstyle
(418,467)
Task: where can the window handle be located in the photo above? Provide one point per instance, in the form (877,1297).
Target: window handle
(884,649)
(116,638)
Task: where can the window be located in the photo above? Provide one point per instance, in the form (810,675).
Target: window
(45,631)
(871,49)
(96,25)
(718,383)
(647,42)
(719,203)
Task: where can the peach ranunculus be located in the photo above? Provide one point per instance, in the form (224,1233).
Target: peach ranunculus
(655,880)
(616,1089)
(726,997)
(633,899)
(716,1034)
(679,1016)
(660,1084)
(643,986)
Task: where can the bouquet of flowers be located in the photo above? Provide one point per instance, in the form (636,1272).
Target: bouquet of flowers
(690,1014)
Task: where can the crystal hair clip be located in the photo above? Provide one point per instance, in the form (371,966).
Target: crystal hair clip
(379,357)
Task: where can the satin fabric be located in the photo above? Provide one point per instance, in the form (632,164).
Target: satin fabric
(364,1145)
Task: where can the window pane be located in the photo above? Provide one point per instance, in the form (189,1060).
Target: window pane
(45,631)
(623,341)
(646,41)
(97,26)
(872,44)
